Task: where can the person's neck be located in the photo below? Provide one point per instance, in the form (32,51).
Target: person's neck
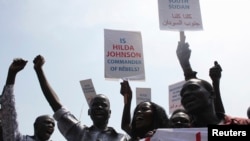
(101,127)
(204,118)
(36,138)
(142,132)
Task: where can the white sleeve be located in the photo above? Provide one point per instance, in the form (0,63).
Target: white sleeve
(9,120)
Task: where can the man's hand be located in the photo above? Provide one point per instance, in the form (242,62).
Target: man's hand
(215,72)
(17,65)
(183,52)
(38,62)
(126,91)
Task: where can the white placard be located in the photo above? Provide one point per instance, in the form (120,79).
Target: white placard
(88,89)
(180,15)
(179,134)
(123,55)
(143,94)
(174,96)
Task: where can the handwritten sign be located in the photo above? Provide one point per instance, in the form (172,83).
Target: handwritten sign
(88,89)
(143,94)
(123,55)
(179,134)
(180,15)
(174,96)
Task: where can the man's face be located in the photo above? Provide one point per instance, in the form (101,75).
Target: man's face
(194,96)
(99,109)
(44,128)
(143,115)
(180,120)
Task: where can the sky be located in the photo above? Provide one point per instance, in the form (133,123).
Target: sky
(70,35)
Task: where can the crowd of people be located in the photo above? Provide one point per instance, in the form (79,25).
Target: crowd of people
(201,100)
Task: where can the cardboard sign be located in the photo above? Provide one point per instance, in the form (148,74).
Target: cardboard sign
(123,55)
(179,134)
(143,94)
(88,89)
(174,96)
(180,15)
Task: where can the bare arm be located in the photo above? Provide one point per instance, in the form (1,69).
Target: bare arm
(215,75)
(126,116)
(48,92)
(183,54)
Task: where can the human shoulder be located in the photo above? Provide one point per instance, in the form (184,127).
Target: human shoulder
(230,120)
(120,136)
(30,138)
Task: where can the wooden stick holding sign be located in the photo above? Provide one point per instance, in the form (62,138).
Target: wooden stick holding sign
(182,37)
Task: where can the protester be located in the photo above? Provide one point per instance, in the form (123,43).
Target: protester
(147,117)
(180,119)
(68,125)
(183,54)
(197,97)
(43,125)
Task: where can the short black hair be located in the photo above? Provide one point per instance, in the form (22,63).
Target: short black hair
(202,82)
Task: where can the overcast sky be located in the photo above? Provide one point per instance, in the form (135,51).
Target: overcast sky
(70,35)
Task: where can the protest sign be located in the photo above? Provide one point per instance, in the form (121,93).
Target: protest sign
(174,96)
(179,15)
(88,89)
(179,134)
(123,55)
(143,94)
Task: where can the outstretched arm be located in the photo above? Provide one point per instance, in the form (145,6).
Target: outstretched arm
(48,92)
(126,116)
(9,120)
(215,75)
(183,54)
